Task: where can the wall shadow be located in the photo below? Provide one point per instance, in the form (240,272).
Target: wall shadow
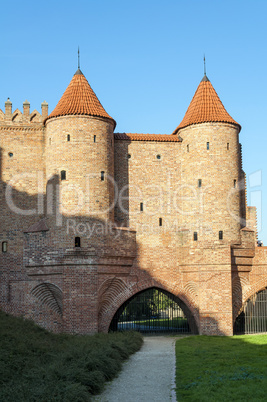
(41,250)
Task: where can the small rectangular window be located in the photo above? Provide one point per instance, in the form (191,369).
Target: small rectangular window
(187,147)
(195,236)
(77,242)
(208,145)
(141,207)
(199,182)
(234,183)
(63,174)
(220,235)
(68,137)
(94,138)
(227,146)
(160,221)
(4,246)
(102,176)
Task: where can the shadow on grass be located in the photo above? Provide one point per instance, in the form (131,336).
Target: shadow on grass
(210,368)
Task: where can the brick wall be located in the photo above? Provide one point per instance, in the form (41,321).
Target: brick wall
(146,241)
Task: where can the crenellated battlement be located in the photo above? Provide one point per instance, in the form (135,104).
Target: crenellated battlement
(26,117)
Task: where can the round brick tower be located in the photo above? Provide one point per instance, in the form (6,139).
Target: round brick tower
(80,150)
(210,194)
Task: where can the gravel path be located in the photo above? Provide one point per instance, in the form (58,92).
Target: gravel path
(148,376)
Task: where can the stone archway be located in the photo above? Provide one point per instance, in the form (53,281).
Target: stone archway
(114,292)
(252,317)
(154,310)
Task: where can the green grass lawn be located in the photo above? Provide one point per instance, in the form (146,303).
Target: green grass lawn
(221,368)
(177,322)
(36,365)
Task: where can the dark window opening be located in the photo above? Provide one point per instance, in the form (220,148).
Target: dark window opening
(68,137)
(4,246)
(188,148)
(220,235)
(158,157)
(160,221)
(102,176)
(195,236)
(208,145)
(77,242)
(227,146)
(10,154)
(141,206)
(234,183)
(199,182)
(129,156)
(63,174)
(94,138)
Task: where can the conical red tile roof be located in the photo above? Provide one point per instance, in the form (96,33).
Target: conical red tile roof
(205,107)
(79,99)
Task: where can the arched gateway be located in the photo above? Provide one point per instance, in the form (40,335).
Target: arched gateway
(154,310)
(253,316)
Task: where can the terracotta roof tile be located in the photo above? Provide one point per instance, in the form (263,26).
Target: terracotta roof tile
(205,107)
(146,137)
(79,99)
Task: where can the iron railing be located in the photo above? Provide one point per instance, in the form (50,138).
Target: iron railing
(153,311)
(253,317)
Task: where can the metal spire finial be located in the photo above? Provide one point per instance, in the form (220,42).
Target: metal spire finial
(78,58)
(204,65)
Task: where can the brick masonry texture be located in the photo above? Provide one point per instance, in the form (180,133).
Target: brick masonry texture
(136,202)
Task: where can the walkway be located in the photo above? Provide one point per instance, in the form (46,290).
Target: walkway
(148,376)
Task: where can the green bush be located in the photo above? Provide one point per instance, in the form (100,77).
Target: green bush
(36,365)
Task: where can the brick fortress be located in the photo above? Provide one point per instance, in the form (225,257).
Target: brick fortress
(90,217)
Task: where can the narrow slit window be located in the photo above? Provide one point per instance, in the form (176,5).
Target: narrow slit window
(208,145)
(234,183)
(199,182)
(63,174)
(4,246)
(195,236)
(220,235)
(227,146)
(102,176)
(77,242)
(68,137)
(94,138)
(187,147)
(141,206)
(160,221)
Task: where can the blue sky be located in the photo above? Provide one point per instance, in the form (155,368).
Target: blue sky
(144,60)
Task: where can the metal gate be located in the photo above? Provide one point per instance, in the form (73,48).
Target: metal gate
(253,317)
(154,311)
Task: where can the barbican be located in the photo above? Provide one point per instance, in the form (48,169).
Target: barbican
(114,231)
